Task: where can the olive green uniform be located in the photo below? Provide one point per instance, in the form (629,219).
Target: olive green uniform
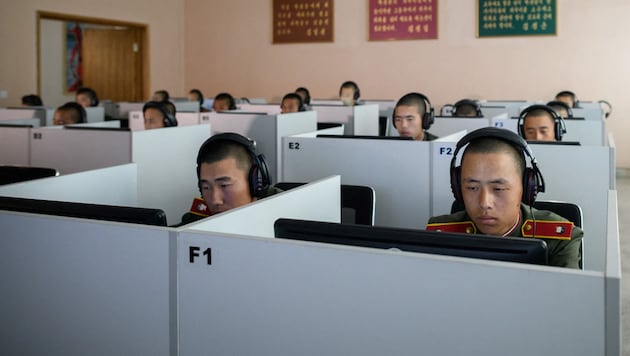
(562,237)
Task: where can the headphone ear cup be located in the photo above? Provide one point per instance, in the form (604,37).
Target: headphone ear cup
(428,118)
(530,186)
(455,183)
(259,178)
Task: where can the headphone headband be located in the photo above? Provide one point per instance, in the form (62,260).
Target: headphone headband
(533,181)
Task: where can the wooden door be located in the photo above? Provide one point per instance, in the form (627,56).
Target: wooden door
(112,63)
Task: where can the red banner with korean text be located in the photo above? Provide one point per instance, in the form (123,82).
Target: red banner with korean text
(403,19)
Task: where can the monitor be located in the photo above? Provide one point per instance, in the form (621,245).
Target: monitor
(368,137)
(513,249)
(133,215)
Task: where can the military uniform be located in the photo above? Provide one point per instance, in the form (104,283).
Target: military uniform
(199,209)
(562,237)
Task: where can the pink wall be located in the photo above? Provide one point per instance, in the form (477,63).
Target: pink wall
(228,48)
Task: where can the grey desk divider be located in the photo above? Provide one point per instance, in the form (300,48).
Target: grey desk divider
(166,160)
(257,218)
(592,111)
(82,287)
(358,120)
(117,185)
(266,130)
(15,145)
(95,114)
(186,106)
(71,150)
(613,278)
(123,108)
(399,172)
(278,297)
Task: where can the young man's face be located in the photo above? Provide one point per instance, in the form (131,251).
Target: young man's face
(63,117)
(220,105)
(492,190)
(290,105)
(153,119)
(539,127)
(408,122)
(224,185)
(84,100)
(567,99)
(347,96)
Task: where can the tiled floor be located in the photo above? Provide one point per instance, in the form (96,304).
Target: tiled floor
(623,199)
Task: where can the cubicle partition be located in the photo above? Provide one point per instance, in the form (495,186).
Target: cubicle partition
(83,287)
(397,170)
(358,119)
(586,132)
(253,295)
(15,144)
(266,130)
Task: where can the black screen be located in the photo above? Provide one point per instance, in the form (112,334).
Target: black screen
(145,216)
(368,137)
(512,249)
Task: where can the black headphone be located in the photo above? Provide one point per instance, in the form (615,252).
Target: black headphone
(169,118)
(301,106)
(90,93)
(572,95)
(429,114)
(355,89)
(467,102)
(559,127)
(606,103)
(562,104)
(259,177)
(533,182)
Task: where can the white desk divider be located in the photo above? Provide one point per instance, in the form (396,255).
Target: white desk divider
(15,145)
(613,278)
(385,107)
(14,113)
(266,130)
(167,167)
(33,122)
(186,118)
(76,150)
(319,200)
(397,170)
(442,151)
(136,120)
(271,109)
(82,287)
(586,132)
(117,185)
(301,298)
(328,102)
(612,171)
(446,125)
(102,124)
(358,120)
(186,106)
(589,112)
(95,114)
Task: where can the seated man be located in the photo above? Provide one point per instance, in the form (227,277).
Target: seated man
(561,108)
(32,100)
(223,102)
(567,97)
(305,94)
(540,123)
(158,115)
(497,190)
(467,108)
(413,115)
(86,97)
(160,95)
(70,113)
(196,95)
(230,174)
(349,93)
(292,102)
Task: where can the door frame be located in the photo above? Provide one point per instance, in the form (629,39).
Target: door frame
(143,45)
